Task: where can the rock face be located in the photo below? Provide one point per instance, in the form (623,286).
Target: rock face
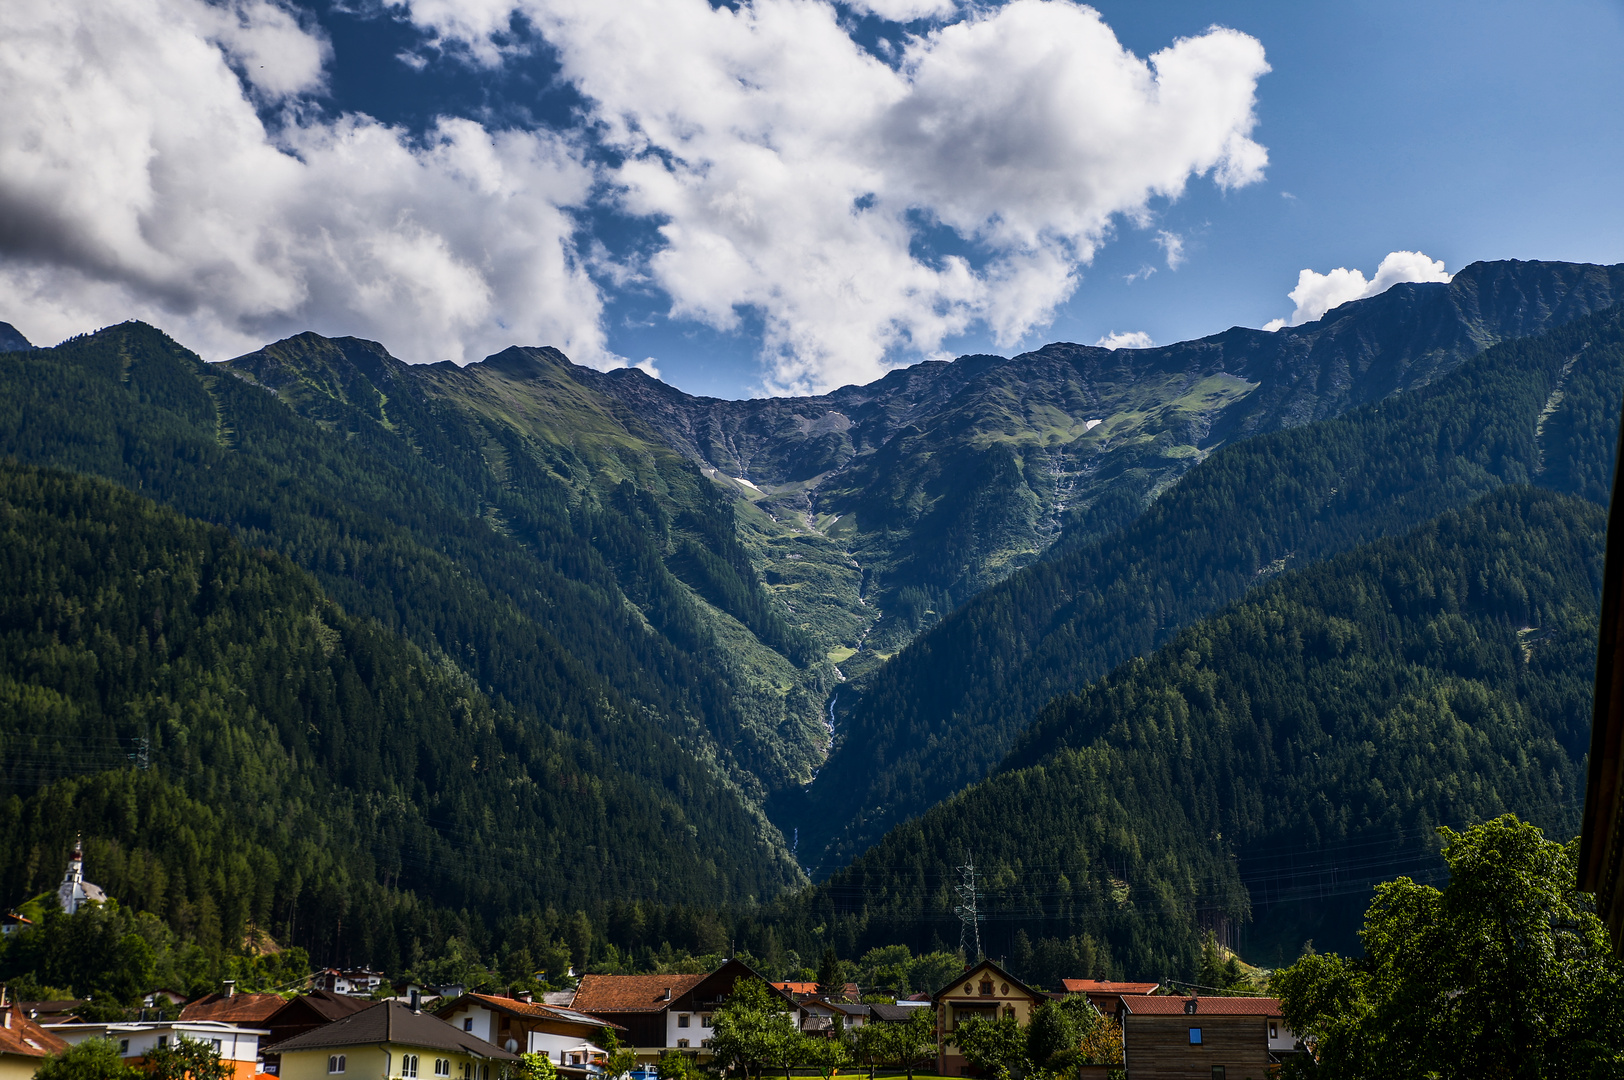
(943,478)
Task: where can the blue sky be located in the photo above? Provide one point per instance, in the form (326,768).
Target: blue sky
(452,177)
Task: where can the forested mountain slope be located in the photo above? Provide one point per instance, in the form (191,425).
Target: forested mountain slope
(1271,761)
(941,479)
(518,583)
(309,773)
(941,713)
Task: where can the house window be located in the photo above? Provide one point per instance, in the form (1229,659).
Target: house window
(986,988)
(682,1019)
(1217,1072)
(163,1041)
(1274,1032)
(468,1024)
(682,1044)
(216,1044)
(704,1021)
(1195,1036)
(442,1066)
(408,1066)
(335,1063)
(123,1047)
(1009,1012)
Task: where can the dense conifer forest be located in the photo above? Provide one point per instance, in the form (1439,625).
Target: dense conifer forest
(465,673)
(1271,759)
(944,711)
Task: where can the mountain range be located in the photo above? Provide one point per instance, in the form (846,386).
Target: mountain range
(696,651)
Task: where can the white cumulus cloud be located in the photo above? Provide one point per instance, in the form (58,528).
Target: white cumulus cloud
(793,172)
(904,10)
(1318,293)
(1131,339)
(139,181)
(799,182)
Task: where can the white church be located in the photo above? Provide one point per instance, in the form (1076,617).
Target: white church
(75,892)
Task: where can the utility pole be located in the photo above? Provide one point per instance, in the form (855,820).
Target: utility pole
(968,911)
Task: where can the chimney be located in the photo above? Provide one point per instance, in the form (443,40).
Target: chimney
(524,996)
(417,1000)
(229,987)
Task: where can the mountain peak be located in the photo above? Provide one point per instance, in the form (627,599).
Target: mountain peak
(12,340)
(525,362)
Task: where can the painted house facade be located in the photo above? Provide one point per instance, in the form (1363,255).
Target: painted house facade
(237,1046)
(986,991)
(390,1041)
(522,1025)
(663,1012)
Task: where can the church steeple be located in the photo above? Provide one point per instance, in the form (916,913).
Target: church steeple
(75,891)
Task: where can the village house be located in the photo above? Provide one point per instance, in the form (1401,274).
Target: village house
(306,1012)
(821,1017)
(1106,995)
(23,1042)
(1207,1038)
(662,1012)
(987,991)
(521,1025)
(11,923)
(230,1007)
(390,1040)
(357,982)
(238,1047)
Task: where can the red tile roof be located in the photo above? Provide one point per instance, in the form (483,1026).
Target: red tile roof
(1105,986)
(606,994)
(233,1008)
(533,1009)
(797,987)
(1207,1006)
(22,1036)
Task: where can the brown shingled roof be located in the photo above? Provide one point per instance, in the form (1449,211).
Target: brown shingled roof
(233,1008)
(600,994)
(533,1009)
(22,1036)
(392,1022)
(1207,1006)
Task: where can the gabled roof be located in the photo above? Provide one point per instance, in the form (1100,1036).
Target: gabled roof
(894,1014)
(599,994)
(1207,1006)
(529,1009)
(323,1004)
(1106,986)
(973,976)
(392,1022)
(21,1036)
(234,1008)
(609,995)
